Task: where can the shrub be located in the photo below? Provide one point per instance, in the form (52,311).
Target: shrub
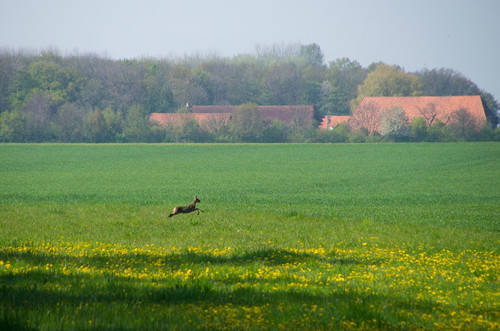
(393,123)
(418,129)
(277,132)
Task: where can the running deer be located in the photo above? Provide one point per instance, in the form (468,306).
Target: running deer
(186,209)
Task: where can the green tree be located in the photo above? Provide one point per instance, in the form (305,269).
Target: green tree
(388,81)
(277,132)
(443,81)
(340,87)
(418,129)
(188,130)
(96,126)
(136,127)
(60,84)
(437,132)
(114,124)
(312,77)
(283,84)
(246,123)
(69,123)
(11,126)
(158,98)
(312,55)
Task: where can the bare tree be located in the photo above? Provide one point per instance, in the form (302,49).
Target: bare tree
(37,113)
(462,123)
(365,116)
(429,113)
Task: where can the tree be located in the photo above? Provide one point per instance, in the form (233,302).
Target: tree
(428,113)
(114,124)
(393,123)
(439,82)
(312,55)
(443,81)
(7,74)
(418,129)
(60,84)
(136,127)
(388,81)
(11,126)
(283,84)
(340,87)
(69,121)
(96,126)
(158,98)
(491,108)
(311,85)
(462,124)
(188,130)
(246,123)
(437,132)
(275,133)
(365,117)
(188,85)
(37,115)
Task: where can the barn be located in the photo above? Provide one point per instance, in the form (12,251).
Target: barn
(330,121)
(290,114)
(215,116)
(430,108)
(207,121)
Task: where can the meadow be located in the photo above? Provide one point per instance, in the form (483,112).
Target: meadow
(292,236)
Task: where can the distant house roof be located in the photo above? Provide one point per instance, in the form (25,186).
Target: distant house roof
(213,109)
(207,121)
(430,107)
(331,121)
(290,115)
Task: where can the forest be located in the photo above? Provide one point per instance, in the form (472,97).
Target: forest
(49,97)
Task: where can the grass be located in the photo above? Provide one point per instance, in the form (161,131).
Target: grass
(364,236)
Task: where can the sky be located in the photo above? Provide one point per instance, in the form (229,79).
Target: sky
(463,35)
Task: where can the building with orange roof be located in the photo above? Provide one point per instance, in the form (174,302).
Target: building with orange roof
(290,114)
(207,121)
(430,108)
(328,122)
(214,117)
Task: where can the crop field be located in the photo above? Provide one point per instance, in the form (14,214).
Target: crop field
(292,236)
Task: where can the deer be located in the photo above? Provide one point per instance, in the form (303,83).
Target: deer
(186,209)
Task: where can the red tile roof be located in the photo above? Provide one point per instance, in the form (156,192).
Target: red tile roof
(213,109)
(331,121)
(431,108)
(286,114)
(207,121)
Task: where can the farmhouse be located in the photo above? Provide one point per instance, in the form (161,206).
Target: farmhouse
(430,108)
(331,121)
(209,122)
(289,115)
(211,117)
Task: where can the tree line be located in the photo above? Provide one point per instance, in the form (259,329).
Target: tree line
(89,98)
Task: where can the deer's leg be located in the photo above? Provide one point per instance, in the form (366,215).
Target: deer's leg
(174,212)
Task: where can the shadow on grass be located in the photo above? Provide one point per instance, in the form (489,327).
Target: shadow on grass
(43,291)
(174,260)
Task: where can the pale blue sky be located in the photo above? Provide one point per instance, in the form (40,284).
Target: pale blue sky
(460,34)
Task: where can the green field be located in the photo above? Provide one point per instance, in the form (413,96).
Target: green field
(293,236)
